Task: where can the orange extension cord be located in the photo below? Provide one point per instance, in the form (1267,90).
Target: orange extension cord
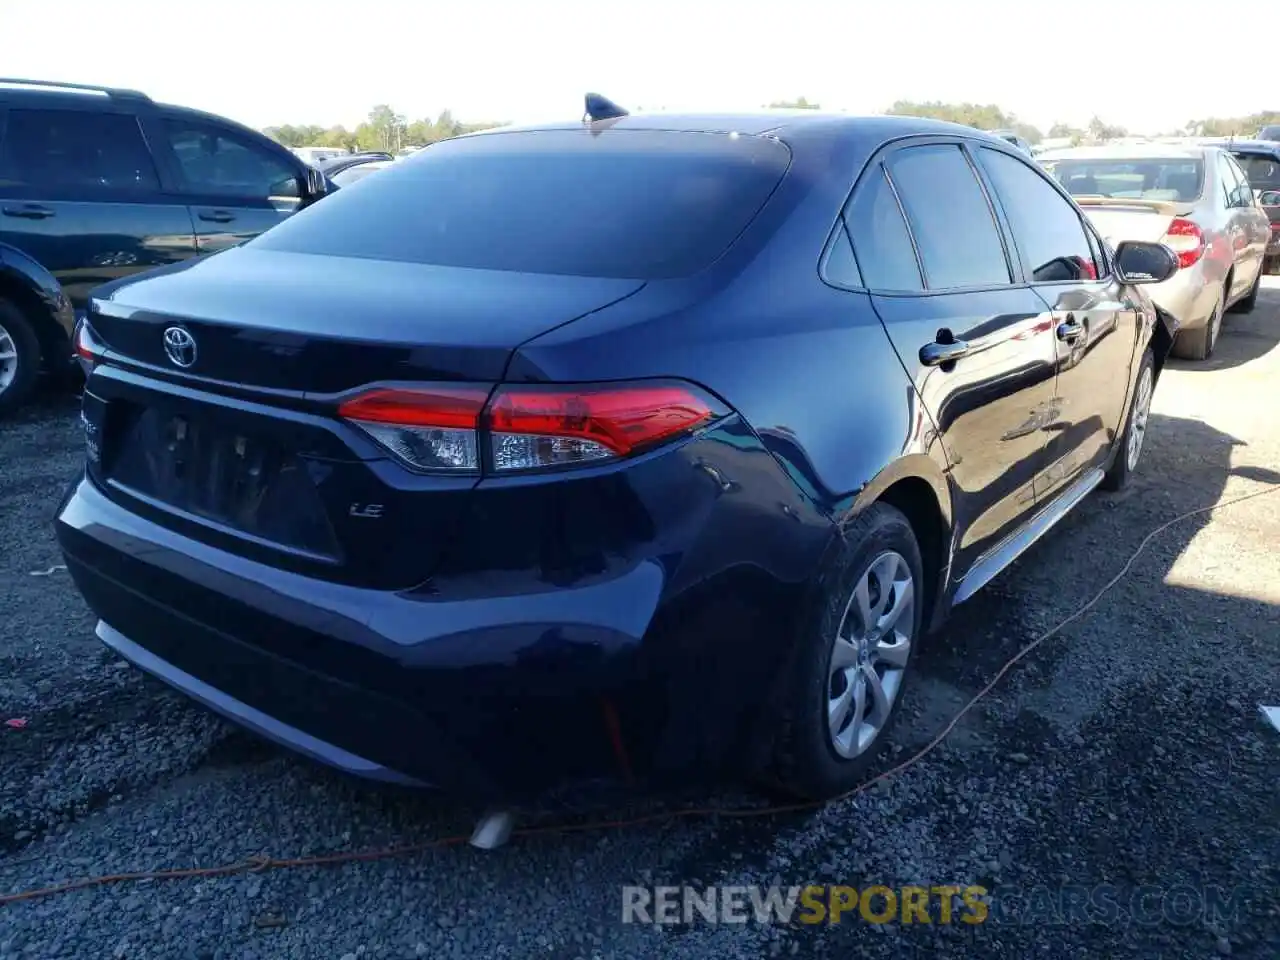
(262,863)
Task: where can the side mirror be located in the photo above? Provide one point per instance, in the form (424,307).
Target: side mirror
(1141,262)
(1269,198)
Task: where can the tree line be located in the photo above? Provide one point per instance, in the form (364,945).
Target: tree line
(989,116)
(384,129)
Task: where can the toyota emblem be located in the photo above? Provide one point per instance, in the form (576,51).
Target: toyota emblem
(180,346)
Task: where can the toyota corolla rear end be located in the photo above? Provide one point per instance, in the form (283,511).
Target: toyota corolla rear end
(313,503)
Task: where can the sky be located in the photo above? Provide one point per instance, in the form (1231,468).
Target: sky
(328,62)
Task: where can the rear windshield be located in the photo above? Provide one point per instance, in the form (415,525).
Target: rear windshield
(1177,178)
(1263,171)
(635,204)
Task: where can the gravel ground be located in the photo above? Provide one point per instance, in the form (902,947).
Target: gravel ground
(1127,751)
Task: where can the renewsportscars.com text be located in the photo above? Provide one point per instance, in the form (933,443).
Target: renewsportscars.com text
(1107,904)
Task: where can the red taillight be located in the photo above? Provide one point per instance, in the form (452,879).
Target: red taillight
(428,427)
(1186,239)
(438,427)
(447,407)
(540,427)
(86,348)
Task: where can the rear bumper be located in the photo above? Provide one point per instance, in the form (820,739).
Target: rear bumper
(245,715)
(656,668)
(1189,295)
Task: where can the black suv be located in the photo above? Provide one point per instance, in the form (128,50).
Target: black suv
(98,183)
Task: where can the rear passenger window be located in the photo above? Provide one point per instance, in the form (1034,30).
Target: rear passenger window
(881,243)
(213,162)
(1050,238)
(949,217)
(1243,195)
(76,149)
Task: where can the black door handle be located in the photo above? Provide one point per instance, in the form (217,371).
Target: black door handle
(217,216)
(1070,329)
(937,353)
(28,211)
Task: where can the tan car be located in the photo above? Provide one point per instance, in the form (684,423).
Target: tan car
(1192,197)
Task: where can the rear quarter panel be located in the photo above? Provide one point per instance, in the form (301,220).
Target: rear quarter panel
(809,367)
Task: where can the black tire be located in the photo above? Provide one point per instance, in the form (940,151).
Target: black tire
(1250,299)
(16,329)
(805,763)
(1136,420)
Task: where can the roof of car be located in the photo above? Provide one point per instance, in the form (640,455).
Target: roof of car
(351,160)
(783,124)
(34,93)
(1126,151)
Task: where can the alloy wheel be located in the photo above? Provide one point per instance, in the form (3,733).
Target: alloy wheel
(1138,422)
(8,360)
(869,655)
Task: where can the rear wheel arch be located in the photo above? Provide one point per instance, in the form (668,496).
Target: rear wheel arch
(795,751)
(914,486)
(917,487)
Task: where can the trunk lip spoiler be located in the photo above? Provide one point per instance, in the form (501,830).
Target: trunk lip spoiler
(1172,208)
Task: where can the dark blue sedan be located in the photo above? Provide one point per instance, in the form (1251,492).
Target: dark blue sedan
(648,447)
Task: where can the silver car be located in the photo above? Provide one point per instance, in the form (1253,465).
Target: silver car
(1195,199)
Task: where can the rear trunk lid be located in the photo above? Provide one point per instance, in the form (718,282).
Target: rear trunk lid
(242,448)
(1119,220)
(319,324)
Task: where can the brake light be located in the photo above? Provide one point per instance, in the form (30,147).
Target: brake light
(1186,239)
(427,427)
(526,427)
(87,350)
(535,427)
